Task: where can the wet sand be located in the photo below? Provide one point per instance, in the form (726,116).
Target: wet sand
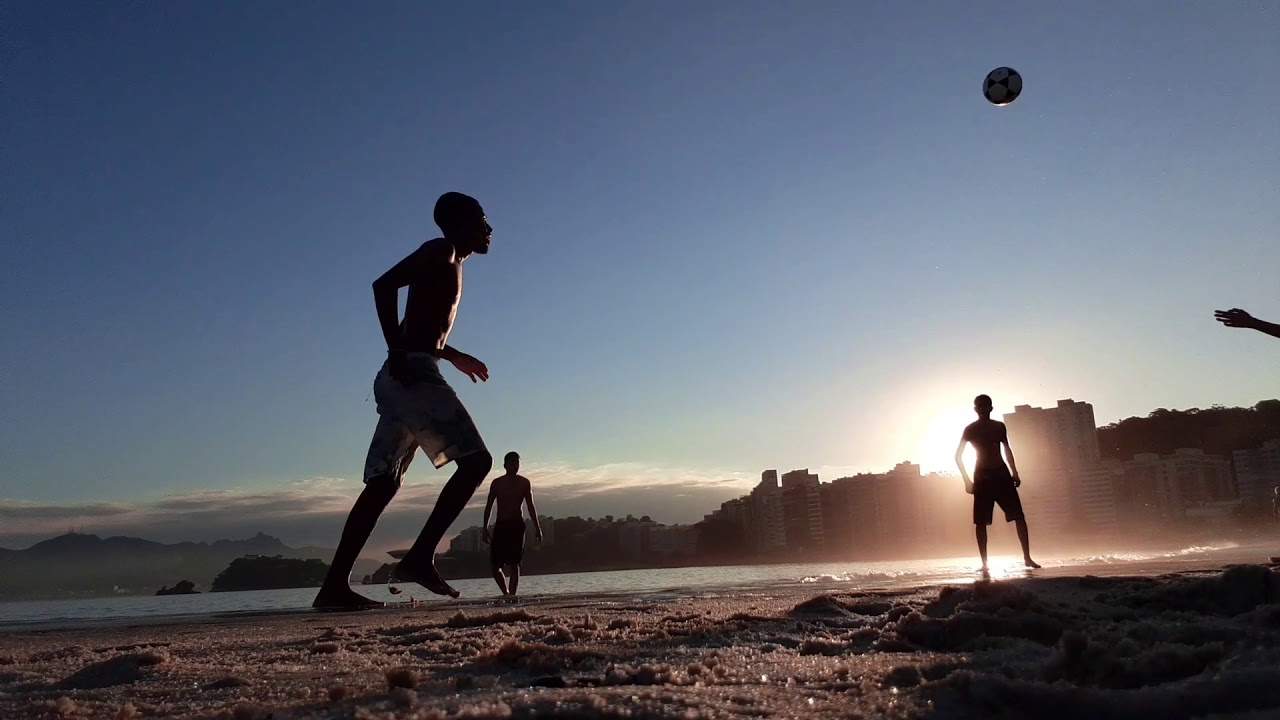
(1191,644)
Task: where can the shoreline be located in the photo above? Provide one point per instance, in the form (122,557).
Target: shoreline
(1053,645)
(849,577)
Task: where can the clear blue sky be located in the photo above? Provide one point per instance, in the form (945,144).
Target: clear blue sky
(729,236)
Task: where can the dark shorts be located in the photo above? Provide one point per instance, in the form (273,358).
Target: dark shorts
(991,488)
(507,546)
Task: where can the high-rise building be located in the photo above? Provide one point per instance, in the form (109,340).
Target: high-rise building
(673,540)
(1097,500)
(1161,488)
(802,510)
(1257,473)
(767,531)
(1055,448)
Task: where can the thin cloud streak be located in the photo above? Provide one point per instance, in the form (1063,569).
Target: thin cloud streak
(311,511)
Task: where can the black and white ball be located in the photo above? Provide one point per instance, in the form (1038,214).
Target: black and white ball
(1002,86)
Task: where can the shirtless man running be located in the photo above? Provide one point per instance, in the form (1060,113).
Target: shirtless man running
(506,544)
(416,407)
(993,483)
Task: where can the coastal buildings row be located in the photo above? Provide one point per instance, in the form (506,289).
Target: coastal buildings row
(1068,489)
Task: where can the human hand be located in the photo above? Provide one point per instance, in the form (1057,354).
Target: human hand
(968,486)
(539,536)
(1017,481)
(484,535)
(1236,318)
(470,366)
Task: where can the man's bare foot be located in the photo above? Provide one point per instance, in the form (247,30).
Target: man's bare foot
(1030,563)
(985,572)
(342,598)
(426,575)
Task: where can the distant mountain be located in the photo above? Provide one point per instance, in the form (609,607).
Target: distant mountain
(80,565)
(1217,430)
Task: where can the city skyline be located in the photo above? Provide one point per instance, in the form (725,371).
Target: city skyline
(1057,446)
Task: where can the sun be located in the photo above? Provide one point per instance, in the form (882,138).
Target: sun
(936,447)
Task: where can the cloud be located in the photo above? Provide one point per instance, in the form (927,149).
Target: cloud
(22,510)
(311,511)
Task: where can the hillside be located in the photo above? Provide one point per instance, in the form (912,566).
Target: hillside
(81,565)
(1217,430)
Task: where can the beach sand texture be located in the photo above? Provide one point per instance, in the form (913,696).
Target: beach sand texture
(1173,646)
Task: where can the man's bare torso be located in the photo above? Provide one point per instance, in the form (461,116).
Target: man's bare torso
(509,491)
(433,299)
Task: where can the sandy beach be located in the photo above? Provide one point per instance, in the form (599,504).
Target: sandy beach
(1183,645)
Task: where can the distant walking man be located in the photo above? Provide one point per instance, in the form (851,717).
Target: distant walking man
(992,483)
(506,544)
(1237,318)
(416,407)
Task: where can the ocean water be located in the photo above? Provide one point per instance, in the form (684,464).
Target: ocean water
(591,586)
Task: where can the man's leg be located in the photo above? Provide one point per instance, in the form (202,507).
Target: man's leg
(419,564)
(390,452)
(336,591)
(513,577)
(981,532)
(499,578)
(1025,538)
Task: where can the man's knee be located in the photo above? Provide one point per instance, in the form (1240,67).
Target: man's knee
(382,486)
(480,462)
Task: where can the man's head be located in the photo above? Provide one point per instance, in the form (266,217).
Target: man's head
(512,462)
(462,220)
(982,405)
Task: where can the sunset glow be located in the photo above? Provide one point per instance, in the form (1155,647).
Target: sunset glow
(937,444)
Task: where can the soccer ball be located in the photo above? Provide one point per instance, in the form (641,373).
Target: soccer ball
(1002,86)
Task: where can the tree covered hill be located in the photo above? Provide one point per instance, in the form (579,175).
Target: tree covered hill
(1217,430)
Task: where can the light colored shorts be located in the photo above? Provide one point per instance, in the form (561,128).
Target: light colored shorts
(425,413)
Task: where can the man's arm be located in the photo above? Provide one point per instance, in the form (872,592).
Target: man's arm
(1013,466)
(1237,318)
(488,505)
(386,291)
(468,365)
(533,511)
(964,472)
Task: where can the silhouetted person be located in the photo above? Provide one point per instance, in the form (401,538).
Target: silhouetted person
(1237,318)
(506,544)
(993,483)
(1275,503)
(416,407)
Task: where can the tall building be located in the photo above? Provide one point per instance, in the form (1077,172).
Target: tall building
(1200,478)
(767,532)
(1257,473)
(673,540)
(1055,449)
(1162,488)
(802,510)
(1097,500)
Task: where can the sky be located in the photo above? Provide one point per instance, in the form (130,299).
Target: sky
(729,236)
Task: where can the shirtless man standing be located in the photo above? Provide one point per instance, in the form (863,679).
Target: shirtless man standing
(506,545)
(993,483)
(416,407)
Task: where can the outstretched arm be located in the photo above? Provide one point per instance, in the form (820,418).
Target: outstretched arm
(1237,318)
(964,472)
(533,511)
